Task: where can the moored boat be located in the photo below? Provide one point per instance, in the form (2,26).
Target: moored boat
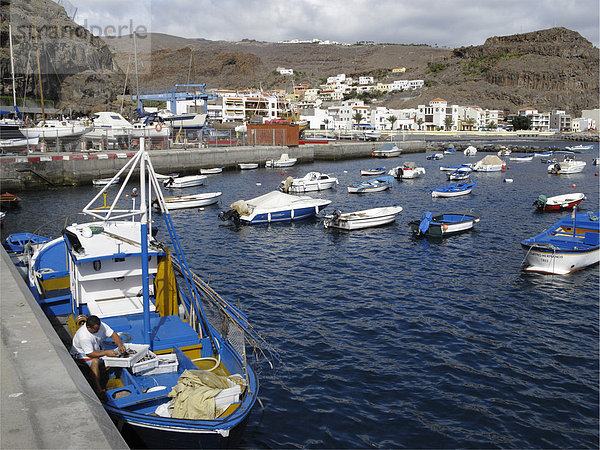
(559,202)
(523,158)
(571,244)
(312,181)
(377,184)
(361,219)
(248,166)
(470,151)
(283,161)
(454,167)
(8,200)
(274,206)
(462,173)
(113,267)
(189,201)
(453,190)
(105,181)
(443,225)
(435,156)
(580,147)
(373,172)
(567,166)
(408,170)
(183,182)
(388,150)
(211,171)
(490,163)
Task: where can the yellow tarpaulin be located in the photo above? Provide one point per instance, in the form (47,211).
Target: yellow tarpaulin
(165,287)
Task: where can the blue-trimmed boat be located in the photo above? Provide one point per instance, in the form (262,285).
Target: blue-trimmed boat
(453,190)
(443,225)
(274,206)
(569,245)
(115,268)
(372,185)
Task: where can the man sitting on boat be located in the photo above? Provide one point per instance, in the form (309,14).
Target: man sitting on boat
(87,348)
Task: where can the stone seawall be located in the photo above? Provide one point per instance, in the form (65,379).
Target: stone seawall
(37,170)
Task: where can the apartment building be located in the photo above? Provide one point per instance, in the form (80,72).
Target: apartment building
(433,117)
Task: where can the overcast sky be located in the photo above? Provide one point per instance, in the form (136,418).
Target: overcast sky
(443,23)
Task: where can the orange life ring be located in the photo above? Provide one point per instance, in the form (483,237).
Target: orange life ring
(158,127)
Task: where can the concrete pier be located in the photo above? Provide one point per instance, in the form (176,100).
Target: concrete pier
(20,172)
(46,401)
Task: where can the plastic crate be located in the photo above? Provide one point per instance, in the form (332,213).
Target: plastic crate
(164,364)
(228,396)
(115,361)
(147,363)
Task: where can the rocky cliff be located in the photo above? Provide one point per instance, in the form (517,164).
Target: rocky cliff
(77,69)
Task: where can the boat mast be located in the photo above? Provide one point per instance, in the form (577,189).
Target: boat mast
(37,55)
(137,79)
(12,65)
(144,244)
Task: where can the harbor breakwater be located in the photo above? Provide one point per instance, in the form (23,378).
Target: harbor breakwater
(36,170)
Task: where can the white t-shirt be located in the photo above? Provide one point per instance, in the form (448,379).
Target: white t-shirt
(85,342)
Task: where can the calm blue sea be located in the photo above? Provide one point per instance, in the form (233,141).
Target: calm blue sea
(388,341)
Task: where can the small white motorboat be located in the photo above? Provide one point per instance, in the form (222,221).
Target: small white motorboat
(283,161)
(470,151)
(407,171)
(454,167)
(248,166)
(388,150)
(435,156)
(274,206)
(504,152)
(361,219)
(161,177)
(212,171)
(567,166)
(373,172)
(183,182)
(312,181)
(105,181)
(580,147)
(490,163)
(373,185)
(189,201)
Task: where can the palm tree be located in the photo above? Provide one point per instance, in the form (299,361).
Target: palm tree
(392,120)
(419,123)
(448,122)
(357,117)
(326,122)
(470,122)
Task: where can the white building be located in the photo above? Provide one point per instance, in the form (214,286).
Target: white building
(284,71)
(365,80)
(433,117)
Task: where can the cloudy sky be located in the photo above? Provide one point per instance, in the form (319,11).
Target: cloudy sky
(443,23)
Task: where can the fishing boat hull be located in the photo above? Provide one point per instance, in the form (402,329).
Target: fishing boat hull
(191,201)
(571,244)
(373,172)
(567,167)
(406,173)
(184,182)
(387,151)
(105,181)
(311,182)
(362,219)
(444,225)
(212,171)
(248,166)
(453,190)
(273,207)
(374,185)
(559,202)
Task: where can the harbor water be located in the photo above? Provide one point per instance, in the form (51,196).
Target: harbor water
(390,341)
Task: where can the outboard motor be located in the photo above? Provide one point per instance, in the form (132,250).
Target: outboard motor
(540,203)
(232,215)
(169,182)
(555,168)
(336,215)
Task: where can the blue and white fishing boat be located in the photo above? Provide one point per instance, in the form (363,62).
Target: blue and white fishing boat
(453,190)
(114,267)
(16,242)
(543,154)
(274,206)
(522,158)
(443,225)
(454,167)
(462,173)
(569,245)
(373,185)
(435,156)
